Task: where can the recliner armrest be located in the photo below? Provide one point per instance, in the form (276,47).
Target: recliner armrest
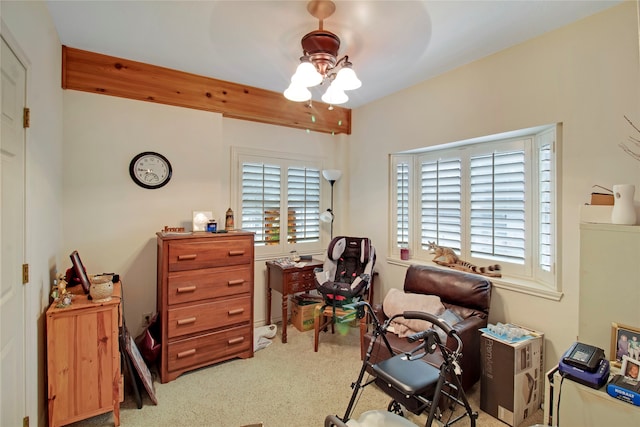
(468,331)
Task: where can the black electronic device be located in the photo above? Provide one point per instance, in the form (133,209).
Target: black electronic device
(583,356)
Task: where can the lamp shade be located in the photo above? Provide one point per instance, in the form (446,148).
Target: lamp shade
(331,174)
(326,216)
(334,95)
(297,93)
(347,79)
(306,75)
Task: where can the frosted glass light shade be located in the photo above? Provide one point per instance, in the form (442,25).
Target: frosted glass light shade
(331,174)
(297,93)
(326,216)
(347,79)
(334,96)
(306,75)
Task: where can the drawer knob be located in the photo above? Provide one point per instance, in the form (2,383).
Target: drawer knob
(186,353)
(236,311)
(184,289)
(236,253)
(236,340)
(186,321)
(236,282)
(189,257)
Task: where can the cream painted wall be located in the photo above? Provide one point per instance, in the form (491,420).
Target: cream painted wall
(112,222)
(586,75)
(28,28)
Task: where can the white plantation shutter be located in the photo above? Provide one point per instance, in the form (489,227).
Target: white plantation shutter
(261,202)
(491,199)
(546,185)
(440,202)
(303,209)
(278,198)
(497,196)
(402,204)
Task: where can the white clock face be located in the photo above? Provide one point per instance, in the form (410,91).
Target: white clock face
(150,170)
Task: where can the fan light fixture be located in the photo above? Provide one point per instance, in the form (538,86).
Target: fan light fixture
(319,62)
(331,175)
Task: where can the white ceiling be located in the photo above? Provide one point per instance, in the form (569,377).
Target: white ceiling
(392,44)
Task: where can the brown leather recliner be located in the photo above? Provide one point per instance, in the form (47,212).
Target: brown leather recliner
(467,295)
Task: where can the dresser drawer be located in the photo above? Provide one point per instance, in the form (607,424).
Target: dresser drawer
(221,252)
(210,315)
(194,285)
(205,348)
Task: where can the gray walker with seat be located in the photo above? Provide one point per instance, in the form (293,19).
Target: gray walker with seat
(409,381)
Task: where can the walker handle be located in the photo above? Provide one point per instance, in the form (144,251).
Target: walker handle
(420,315)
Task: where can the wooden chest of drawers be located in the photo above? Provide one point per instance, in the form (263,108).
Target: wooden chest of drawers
(205,299)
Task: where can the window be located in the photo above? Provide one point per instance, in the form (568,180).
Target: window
(278,198)
(491,200)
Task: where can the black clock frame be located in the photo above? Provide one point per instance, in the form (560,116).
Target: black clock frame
(135,178)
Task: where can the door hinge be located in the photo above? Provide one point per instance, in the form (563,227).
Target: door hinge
(26,118)
(25,273)
(25,422)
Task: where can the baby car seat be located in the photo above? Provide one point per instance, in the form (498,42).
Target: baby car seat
(347,270)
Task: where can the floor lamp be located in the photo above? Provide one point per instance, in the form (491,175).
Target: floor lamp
(331,175)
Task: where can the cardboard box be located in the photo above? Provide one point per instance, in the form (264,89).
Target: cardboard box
(302,313)
(512,380)
(602,199)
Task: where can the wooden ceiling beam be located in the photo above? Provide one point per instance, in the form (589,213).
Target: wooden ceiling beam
(93,72)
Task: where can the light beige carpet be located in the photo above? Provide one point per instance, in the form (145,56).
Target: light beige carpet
(283,385)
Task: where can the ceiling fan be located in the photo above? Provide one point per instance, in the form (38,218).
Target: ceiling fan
(320,60)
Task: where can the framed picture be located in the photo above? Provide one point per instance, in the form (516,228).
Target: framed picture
(81,273)
(630,368)
(625,341)
(141,367)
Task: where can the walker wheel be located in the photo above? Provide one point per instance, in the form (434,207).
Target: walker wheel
(395,408)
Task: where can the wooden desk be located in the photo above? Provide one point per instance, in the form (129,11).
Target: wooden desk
(83,358)
(288,281)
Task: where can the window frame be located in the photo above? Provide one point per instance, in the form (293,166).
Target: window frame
(241,155)
(533,279)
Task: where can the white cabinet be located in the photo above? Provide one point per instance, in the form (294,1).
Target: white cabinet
(582,406)
(609,281)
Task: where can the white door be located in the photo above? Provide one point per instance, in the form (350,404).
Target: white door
(12,214)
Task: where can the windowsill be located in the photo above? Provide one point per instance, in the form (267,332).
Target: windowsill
(515,284)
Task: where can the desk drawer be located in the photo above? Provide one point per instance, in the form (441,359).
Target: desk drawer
(211,315)
(300,281)
(302,286)
(194,285)
(185,255)
(215,346)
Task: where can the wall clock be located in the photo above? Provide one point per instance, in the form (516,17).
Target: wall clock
(150,170)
